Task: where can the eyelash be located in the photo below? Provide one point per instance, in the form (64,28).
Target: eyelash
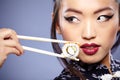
(72,19)
(105,18)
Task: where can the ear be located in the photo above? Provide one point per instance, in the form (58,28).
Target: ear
(58,29)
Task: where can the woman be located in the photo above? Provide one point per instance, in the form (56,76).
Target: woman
(95,26)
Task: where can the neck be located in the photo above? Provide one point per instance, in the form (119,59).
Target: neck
(107,62)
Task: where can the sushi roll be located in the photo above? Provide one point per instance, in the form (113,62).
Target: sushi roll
(71,50)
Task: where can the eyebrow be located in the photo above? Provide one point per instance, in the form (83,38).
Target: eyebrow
(80,12)
(103,9)
(73,10)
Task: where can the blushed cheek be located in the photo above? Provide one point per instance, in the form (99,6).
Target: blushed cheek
(112,36)
(67,34)
(66,31)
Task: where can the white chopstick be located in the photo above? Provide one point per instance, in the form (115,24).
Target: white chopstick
(42,51)
(47,52)
(40,39)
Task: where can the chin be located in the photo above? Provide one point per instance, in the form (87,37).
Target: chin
(90,60)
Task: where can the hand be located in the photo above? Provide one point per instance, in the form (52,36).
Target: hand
(9,43)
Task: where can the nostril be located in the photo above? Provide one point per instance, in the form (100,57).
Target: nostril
(89,34)
(88,37)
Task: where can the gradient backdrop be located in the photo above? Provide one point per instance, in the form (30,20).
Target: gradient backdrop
(30,18)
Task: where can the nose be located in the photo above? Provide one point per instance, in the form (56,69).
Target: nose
(88,31)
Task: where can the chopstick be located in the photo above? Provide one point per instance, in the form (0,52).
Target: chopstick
(48,53)
(42,51)
(41,39)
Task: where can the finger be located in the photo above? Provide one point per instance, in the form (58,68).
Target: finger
(13,44)
(6,34)
(5,51)
(13,51)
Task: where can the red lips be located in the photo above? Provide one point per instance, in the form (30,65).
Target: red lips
(90,49)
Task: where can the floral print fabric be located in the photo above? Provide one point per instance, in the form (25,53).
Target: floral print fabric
(91,72)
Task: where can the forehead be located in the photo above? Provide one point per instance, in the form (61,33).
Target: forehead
(88,4)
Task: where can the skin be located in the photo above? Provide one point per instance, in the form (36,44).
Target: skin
(89,26)
(9,44)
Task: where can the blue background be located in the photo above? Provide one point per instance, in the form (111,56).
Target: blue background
(30,18)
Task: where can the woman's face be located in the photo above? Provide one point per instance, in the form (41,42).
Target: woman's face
(92,23)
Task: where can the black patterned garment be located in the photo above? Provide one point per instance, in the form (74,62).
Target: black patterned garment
(91,72)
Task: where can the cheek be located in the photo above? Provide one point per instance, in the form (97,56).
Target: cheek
(108,37)
(69,32)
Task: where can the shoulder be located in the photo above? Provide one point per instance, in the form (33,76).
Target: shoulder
(116,62)
(65,75)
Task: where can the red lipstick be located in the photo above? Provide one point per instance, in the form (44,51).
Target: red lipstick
(90,49)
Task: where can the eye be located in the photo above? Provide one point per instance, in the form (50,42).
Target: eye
(72,19)
(104,18)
